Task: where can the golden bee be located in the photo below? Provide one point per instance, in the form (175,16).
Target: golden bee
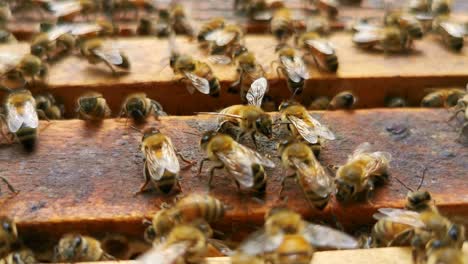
(442,97)
(320,50)
(405,22)
(209,27)
(418,6)
(361,173)
(251,80)
(315,182)
(21,117)
(179,20)
(53,44)
(293,68)
(226,41)
(420,201)
(47,107)
(92,106)
(184,244)
(8,236)
(302,125)
(24,256)
(189,209)
(282,25)
(69,10)
(389,39)
(441,7)
(451,34)
(343,100)
(250,119)
(445,255)
(284,230)
(88,31)
(96,51)
(246,166)
(79,248)
(138,106)
(462,107)
(319,103)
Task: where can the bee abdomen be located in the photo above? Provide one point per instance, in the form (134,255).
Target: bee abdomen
(166,183)
(27,137)
(214,87)
(259,178)
(296,257)
(332,63)
(317,201)
(296,87)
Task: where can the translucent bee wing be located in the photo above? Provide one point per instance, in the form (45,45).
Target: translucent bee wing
(290,67)
(260,242)
(58,31)
(454,29)
(256,92)
(24,115)
(323,236)
(239,161)
(322,130)
(366,37)
(83,29)
(157,163)
(316,177)
(64,8)
(306,131)
(163,254)
(401,216)
(321,45)
(220,37)
(221,246)
(220,59)
(263,15)
(362,148)
(201,84)
(109,53)
(8,62)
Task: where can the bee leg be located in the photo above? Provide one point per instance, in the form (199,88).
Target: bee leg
(283,183)
(212,174)
(178,185)
(201,165)
(12,189)
(252,135)
(147,180)
(189,162)
(234,87)
(110,67)
(240,135)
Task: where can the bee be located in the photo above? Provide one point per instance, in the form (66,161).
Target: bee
(161,164)
(362,172)
(184,244)
(445,255)
(462,106)
(328,7)
(251,119)
(302,125)
(87,31)
(52,44)
(285,234)
(452,34)
(47,107)
(24,256)
(315,182)
(226,41)
(389,39)
(252,81)
(442,97)
(419,6)
(92,106)
(420,201)
(281,25)
(198,75)
(246,166)
(180,22)
(8,236)
(67,11)
(95,51)
(162,26)
(187,210)
(441,7)
(395,102)
(209,27)
(21,117)
(405,22)
(343,100)
(293,68)
(139,107)
(319,103)
(322,51)
(78,248)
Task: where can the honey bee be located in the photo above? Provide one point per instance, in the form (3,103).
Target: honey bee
(281,25)
(328,7)
(226,41)
(95,51)
(420,201)
(78,248)
(343,100)
(184,244)
(322,51)
(441,7)
(315,182)
(293,68)
(24,256)
(418,6)
(187,210)
(92,106)
(284,230)
(52,44)
(395,102)
(86,31)
(452,34)
(180,21)
(47,107)
(67,11)
(161,164)
(445,255)
(319,103)
(246,166)
(462,106)
(301,124)
(161,27)
(139,107)
(209,27)
(405,22)
(251,119)
(21,117)
(361,173)
(442,97)
(252,81)
(389,39)
(8,236)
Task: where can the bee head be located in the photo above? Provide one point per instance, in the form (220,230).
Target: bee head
(150,131)
(344,190)
(30,64)
(346,100)
(88,104)
(8,233)
(283,221)
(418,197)
(37,50)
(206,137)
(264,124)
(43,102)
(247,61)
(69,247)
(286,104)
(164,13)
(135,107)
(433,100)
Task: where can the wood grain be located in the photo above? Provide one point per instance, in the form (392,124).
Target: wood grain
(82,177)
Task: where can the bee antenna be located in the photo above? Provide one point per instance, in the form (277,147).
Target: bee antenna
(190,133)
(422,178)
(404,185)
(136,129)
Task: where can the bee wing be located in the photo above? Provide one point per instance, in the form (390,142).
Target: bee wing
(453,29)
(366,37)
(8,61)
(321,45)
(256,92)
(290,67)
(221,246)
(239,163)
(110,54)
(316,176)
(259,242)
(201,84)
(322,130)
(361,149)
(220,37)
(26,117)
(306,131)
(83,29)
(323,236)
(63,8)
(402,216)
(58,31)
(162,254)
(220,59)
(158,163)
